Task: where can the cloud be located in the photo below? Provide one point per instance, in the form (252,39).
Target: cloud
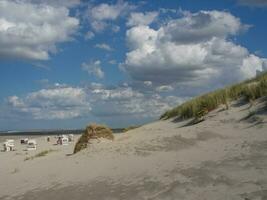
(104,46)
(125,101)
(257,3)
(138,18)
(194,50)
(105,11)
(65,3)
(31,30)
(164,88)
(100,16)
(148,83)
(96,100)
(112,62)
(94,68)
(201,26)
(53,103)
(89,35)
(115,28)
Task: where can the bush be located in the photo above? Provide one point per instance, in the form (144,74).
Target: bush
(92,131)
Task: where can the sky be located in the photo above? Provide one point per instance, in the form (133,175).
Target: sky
(67,63)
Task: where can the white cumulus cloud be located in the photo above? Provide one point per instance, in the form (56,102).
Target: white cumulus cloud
(125,101)
(94,68)
(100,16)
(31,31)
(53,103)
(194,49)
(138,18)
(66,3)
(164,88)
(104,46)
(89,35)
(66,102)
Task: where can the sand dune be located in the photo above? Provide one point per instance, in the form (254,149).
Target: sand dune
(224,157)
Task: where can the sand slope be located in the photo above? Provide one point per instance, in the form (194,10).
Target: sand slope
(224,157)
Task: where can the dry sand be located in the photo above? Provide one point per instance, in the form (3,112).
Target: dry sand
(223,157)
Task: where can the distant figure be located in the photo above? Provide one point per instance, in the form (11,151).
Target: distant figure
(48,139)
(59,140)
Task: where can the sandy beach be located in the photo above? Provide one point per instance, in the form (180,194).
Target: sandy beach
(224,157)
(140,100)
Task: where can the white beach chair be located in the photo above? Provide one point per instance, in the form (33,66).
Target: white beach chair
(32,145)
(64,140)
(9,145)
(71,137)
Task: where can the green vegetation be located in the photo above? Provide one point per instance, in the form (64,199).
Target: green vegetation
(41,154)
(93,131)
(249,90)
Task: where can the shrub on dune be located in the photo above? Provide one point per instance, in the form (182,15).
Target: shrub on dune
(92,131)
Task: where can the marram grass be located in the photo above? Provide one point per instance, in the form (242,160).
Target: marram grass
(92,131)
(40,154)
(250,90)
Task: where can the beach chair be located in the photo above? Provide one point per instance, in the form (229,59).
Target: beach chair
(63,140)
(9,145)
(24,141)
(71,137)
(32,145)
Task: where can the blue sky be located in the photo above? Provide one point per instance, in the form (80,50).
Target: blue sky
(67,63)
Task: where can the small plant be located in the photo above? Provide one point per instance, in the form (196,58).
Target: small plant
(28,158)
(41,154)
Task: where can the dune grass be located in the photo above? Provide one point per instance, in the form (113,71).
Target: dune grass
(92,131)
(250,90)
(40,154)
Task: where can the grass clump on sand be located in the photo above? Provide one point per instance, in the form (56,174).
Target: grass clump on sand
(41,154)
(92,131)
(250,90)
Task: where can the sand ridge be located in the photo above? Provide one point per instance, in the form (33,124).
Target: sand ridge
(224,157)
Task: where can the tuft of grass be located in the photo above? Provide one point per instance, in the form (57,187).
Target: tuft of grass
(250,90)
(40,154)
(92,131)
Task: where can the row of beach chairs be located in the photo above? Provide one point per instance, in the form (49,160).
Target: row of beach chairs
(9,144)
